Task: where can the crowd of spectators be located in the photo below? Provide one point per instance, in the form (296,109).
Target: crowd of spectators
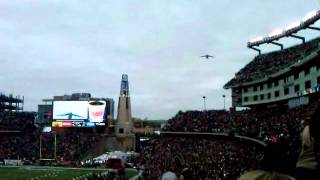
(274,125)
(73,145)
(19,121)
(263,124)
(199,158)
(198,121)
(47,145)
(18,136)
(265,64)
(18,146)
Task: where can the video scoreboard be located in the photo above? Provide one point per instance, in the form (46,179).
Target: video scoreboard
(79,113)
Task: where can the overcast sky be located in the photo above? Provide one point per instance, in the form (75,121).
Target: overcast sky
(61,47)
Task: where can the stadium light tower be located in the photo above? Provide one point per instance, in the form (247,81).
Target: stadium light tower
(224,101)
(204,103)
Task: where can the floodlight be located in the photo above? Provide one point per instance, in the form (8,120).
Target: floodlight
(293,25)
(275,32)
(310,15)
(260,38)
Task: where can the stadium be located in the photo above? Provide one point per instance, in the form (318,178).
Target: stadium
(275,104)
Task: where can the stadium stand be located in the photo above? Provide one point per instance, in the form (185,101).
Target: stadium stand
(199,158)
(274,125)
(73,145)
(16,120)
(20,146)
(269,122)
(17,131)
(265,64)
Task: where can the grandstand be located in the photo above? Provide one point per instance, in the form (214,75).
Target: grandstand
(200,156)
(16,130)
(290,76)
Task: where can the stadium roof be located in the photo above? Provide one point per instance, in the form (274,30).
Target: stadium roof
(271,38)
(289,31)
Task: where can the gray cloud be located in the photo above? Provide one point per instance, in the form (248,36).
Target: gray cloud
(58,47)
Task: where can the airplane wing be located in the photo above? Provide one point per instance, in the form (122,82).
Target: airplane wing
(66,114)
(207,56)
(76,115)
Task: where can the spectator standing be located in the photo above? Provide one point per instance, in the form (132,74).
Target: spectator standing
(308,161)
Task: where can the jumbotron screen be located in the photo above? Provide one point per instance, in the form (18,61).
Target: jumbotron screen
(79,113)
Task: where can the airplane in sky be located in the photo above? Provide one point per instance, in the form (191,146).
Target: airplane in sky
(70,115)
(207,56)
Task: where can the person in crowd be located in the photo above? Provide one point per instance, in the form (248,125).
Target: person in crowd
(169,176)
(309,158)
(272,165)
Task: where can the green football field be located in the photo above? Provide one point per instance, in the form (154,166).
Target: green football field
(56,173)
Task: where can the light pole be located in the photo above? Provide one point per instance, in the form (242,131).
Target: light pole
(204,102)
(224,101)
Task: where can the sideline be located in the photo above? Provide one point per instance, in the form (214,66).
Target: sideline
(53,168)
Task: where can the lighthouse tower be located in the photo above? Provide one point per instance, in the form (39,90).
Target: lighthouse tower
(124,125)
